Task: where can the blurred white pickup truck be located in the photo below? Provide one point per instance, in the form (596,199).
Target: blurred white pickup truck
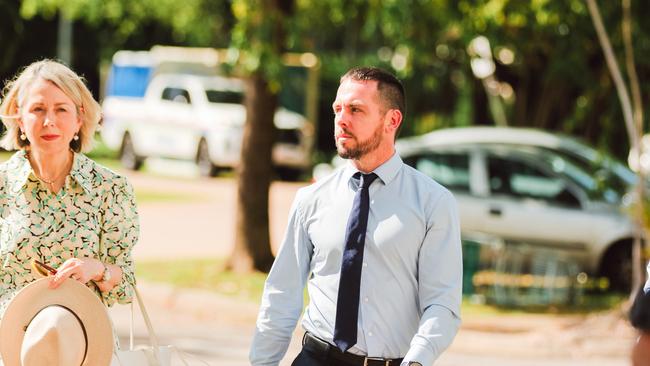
(197,118)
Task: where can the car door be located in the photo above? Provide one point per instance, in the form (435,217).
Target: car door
(174,128)
(528,202)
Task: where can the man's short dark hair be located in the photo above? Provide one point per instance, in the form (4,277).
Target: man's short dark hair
(391,90)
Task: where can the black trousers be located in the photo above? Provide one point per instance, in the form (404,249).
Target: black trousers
(316,352)
(306,358)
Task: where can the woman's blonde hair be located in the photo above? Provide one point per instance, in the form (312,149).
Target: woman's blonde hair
(66,80)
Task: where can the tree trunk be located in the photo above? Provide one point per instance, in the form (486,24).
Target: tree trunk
(252,249)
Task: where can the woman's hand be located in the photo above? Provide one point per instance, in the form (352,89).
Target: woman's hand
(80,269)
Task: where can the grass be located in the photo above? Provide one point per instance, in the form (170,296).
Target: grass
(589,303)
(209,274)
(148,196)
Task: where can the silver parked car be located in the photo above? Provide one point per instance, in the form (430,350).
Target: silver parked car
(533,187)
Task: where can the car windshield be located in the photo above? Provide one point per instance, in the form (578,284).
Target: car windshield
(225,96)
(607,172)
(598,179)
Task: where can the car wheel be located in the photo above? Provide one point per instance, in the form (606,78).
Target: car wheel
(206,167)
(128,157)
(617,267)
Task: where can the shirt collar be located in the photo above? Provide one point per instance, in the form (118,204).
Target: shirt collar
(386,171)
(82,171)
(21,170)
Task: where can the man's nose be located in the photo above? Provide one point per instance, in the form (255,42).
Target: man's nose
(341,118)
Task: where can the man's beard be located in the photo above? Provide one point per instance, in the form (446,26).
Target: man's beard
(362,148)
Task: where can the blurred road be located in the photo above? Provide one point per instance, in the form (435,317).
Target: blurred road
(200,222)
(218,330)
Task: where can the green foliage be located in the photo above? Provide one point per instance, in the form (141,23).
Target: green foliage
(546,51)
(186,18)
(257,36)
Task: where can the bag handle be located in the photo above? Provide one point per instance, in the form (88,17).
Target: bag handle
(153,340)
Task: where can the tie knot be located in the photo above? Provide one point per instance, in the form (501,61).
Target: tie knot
(366,179)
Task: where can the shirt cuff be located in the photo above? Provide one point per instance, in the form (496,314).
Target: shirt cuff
(419,353)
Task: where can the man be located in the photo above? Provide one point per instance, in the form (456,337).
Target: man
(377,242)
(640,318)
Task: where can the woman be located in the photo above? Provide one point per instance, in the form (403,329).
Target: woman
(56,205)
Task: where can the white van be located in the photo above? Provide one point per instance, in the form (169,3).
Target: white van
(197,118)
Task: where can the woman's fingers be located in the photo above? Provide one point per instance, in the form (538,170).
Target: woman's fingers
(72,268)
(80,269)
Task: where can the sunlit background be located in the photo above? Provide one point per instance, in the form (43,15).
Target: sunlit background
(511,105)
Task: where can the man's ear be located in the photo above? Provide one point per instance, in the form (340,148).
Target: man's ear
(393,119)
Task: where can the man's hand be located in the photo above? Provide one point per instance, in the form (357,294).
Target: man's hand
(641,350)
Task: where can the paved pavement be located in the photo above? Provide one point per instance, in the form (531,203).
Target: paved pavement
(202,224)
(218,330)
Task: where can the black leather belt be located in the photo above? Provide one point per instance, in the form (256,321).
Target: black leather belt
(319,347)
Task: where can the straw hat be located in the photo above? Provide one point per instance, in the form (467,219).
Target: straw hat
(68,325)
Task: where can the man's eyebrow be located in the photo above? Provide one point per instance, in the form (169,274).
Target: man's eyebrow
(354,103)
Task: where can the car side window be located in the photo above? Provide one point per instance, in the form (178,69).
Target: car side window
(519,179)
(225,96)
(177,95)
(449,169)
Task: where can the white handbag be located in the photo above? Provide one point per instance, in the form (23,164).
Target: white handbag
(144,355)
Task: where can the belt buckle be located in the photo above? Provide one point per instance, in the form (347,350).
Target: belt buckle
(366,359)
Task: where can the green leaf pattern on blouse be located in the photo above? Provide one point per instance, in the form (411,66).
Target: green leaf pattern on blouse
(93,215)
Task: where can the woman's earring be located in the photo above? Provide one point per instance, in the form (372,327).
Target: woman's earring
(23,136)
(75,137)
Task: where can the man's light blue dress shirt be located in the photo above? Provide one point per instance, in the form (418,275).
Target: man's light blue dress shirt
(411,276)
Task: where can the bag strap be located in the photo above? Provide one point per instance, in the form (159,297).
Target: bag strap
(153,340)
(152,335)
(131,327)
(183,356)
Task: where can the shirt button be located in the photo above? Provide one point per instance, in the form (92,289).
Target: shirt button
(370,334)
(365,299)
(365,264)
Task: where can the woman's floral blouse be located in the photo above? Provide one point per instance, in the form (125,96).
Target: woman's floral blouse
(93,215)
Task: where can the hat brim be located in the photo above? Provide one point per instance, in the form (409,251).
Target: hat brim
(72,295)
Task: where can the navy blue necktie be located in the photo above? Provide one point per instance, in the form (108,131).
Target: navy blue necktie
(347,305)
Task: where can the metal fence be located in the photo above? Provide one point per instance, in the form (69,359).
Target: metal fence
(519,274)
